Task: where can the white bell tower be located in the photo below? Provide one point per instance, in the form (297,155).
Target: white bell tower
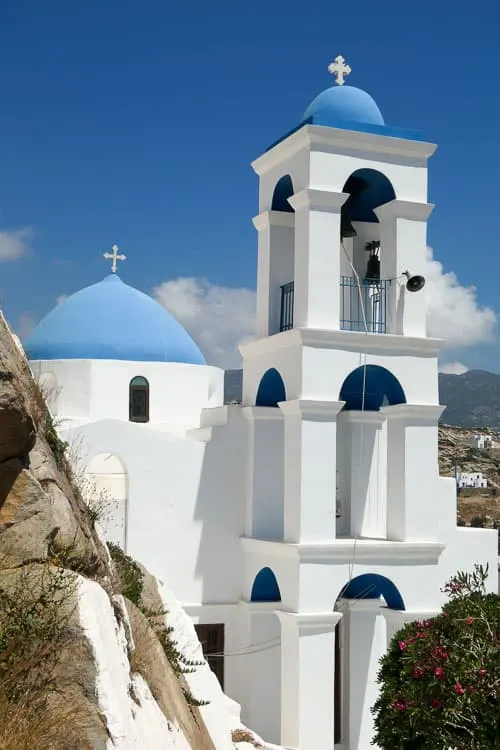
(344,501)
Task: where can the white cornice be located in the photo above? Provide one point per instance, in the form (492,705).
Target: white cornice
(282,340)
(354,341)
(404,210)
(401,617)
(323,410)
(273,219)
(261,413)
(428,413)
(378,343)
(364,417)
(348,550)
(318,200)
(317,137)
(258,608)
(310,621)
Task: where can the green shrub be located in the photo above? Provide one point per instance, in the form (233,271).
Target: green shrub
(130,577)
(439,681)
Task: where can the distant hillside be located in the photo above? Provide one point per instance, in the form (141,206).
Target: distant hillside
(233,383)
(472,399)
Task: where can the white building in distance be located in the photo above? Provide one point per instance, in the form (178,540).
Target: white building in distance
(471,479)
(306,525)
(483,442)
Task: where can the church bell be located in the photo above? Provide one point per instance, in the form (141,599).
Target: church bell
(373,265)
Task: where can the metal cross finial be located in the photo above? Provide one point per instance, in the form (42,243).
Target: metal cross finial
(114,257)
(339,69)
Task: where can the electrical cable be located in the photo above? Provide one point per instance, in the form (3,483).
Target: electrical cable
(363,391)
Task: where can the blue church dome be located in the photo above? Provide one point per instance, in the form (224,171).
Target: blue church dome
(111,320)
(342,105)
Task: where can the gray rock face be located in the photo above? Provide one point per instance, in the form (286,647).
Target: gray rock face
(45,527)
(17,431)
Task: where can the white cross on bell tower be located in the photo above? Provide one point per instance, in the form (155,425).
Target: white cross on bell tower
(114,257)
(339,69)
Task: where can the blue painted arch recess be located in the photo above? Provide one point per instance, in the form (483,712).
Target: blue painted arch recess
(265,587)
(373,586)
(271,389)
(369,387)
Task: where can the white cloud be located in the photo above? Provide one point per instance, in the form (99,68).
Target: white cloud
(25,324)
(453,368)
(218,318)
(454,313)
(14,243)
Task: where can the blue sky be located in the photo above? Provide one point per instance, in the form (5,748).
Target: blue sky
(136,122)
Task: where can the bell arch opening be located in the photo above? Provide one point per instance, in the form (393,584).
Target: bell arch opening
(276,301)
(369,387)
(271,389)
(364,287)
(282,192)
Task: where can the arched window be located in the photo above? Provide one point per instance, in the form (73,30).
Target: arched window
(139,400)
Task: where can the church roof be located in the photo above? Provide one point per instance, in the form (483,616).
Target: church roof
(343,104)
(112,320)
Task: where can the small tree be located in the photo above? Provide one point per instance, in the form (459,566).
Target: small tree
(440,679)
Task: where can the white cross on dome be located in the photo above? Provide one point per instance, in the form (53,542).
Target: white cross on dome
(339,69)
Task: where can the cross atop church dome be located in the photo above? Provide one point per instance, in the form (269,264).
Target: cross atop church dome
(114,257)
(339,69)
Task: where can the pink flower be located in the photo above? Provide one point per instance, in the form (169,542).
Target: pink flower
(436,703)
(469,620)
(402,645)
(439,672)
(483,672)
(400,707)
(418,672)
(458,688)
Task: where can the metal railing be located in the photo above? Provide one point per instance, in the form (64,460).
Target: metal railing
(369,298)
(363,307)
(286,309)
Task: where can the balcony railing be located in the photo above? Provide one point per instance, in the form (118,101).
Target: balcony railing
(286,310)
(362,308)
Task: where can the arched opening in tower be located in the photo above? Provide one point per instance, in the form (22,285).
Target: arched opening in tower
(363,280)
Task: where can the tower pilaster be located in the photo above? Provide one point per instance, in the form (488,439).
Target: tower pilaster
(308,668)
(275,266)
(403,235)
(310,469)
(412,471)
(317,258)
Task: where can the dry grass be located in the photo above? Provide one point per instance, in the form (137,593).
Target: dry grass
(32,722)
(245,735)
(36,606)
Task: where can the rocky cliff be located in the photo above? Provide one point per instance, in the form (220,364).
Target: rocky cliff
(92,648)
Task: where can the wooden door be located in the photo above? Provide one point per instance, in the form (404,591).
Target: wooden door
(211,638)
